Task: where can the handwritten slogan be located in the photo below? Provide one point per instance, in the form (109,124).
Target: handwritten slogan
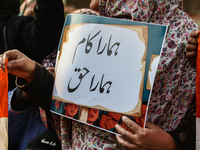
(102,66)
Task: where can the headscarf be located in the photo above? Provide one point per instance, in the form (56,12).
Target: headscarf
(8,8)
(174,85)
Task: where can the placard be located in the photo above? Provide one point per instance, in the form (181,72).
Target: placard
(105,69)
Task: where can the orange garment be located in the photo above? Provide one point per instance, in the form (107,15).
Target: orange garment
(198,82)
(4,108)
(4,91)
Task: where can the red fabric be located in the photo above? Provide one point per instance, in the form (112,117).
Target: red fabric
(198,82)
(4,91)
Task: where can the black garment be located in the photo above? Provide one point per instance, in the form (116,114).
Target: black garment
(35,37)
(185,134)
(43,80)
(45,141)
(8,8)
(40,89)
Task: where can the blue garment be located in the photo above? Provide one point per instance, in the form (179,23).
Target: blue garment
(23,126)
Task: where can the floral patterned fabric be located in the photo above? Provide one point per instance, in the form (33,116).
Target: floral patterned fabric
(174,86)
(77,136)
(50,60)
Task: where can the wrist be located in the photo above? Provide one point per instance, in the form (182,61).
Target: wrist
(171,143)
(31,75)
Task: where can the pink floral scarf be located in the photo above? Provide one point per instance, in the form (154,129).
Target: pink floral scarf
(174,86)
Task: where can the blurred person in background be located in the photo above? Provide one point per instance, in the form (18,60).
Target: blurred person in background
(35,36)
(27,8)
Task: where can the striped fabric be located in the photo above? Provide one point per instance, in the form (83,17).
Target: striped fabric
(4,108)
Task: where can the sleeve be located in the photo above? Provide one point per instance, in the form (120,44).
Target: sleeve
(40,88)
(18,102)
(185,134)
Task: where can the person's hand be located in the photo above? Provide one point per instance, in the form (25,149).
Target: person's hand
(51,70)
(192,46)
(18,64)
(149,138)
